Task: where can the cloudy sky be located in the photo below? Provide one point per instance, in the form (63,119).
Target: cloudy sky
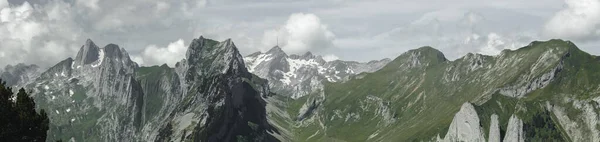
(158,31)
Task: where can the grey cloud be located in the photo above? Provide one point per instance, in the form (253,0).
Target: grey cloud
(580,21)
(363,29)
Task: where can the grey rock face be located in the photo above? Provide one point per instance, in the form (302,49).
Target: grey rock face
(88,53)
(95,93)
(465,126)
(220,93)
(494,134)
(104,96)
(514,132)
(19,74)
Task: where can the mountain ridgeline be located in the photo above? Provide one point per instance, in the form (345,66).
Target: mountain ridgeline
(545,91)
(102,95)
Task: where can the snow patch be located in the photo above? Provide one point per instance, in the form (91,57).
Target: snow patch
(68,110)
(255,61)
(296,64)
(100,58)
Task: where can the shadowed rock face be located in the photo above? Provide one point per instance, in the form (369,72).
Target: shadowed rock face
(214,73)
(88,53)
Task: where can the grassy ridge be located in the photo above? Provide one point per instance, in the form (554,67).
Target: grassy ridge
(424,91)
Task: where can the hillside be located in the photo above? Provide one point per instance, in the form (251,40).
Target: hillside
(545,90)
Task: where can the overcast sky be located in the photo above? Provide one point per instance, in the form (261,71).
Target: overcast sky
(159,31)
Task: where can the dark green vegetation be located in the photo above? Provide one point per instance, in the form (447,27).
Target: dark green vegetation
(537,121)
(415,97)
(19,120)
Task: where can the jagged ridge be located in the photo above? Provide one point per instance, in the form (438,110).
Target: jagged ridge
(209,96)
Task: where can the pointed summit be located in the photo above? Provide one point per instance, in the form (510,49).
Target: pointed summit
(276,50)
(308,55)
(88,53)
(210,56)
(113,51)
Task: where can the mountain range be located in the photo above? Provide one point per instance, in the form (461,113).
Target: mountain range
(545,91)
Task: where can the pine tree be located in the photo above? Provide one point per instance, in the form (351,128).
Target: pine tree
(19,120)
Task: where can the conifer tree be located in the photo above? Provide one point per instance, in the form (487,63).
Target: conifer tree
(19,120)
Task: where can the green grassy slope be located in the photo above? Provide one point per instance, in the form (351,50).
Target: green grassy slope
(415,96)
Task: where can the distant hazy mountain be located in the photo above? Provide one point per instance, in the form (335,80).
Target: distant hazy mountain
(19,74)
(300,75)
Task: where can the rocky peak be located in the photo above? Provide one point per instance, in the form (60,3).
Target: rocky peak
(113,51)
(110,55)
(428,52)
(214,73)
(308,55)
(423,56)
(62,69)
(88,53)
(276,51)
(209,56)
(384,61)
(553,43)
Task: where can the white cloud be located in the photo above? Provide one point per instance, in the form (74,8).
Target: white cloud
(92,4)
(154,55)
(162,6)
(51,31)
(579,21)
(455,32)
(330,57)
(301,33)
(3,4)
(492,43)
(30,35)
